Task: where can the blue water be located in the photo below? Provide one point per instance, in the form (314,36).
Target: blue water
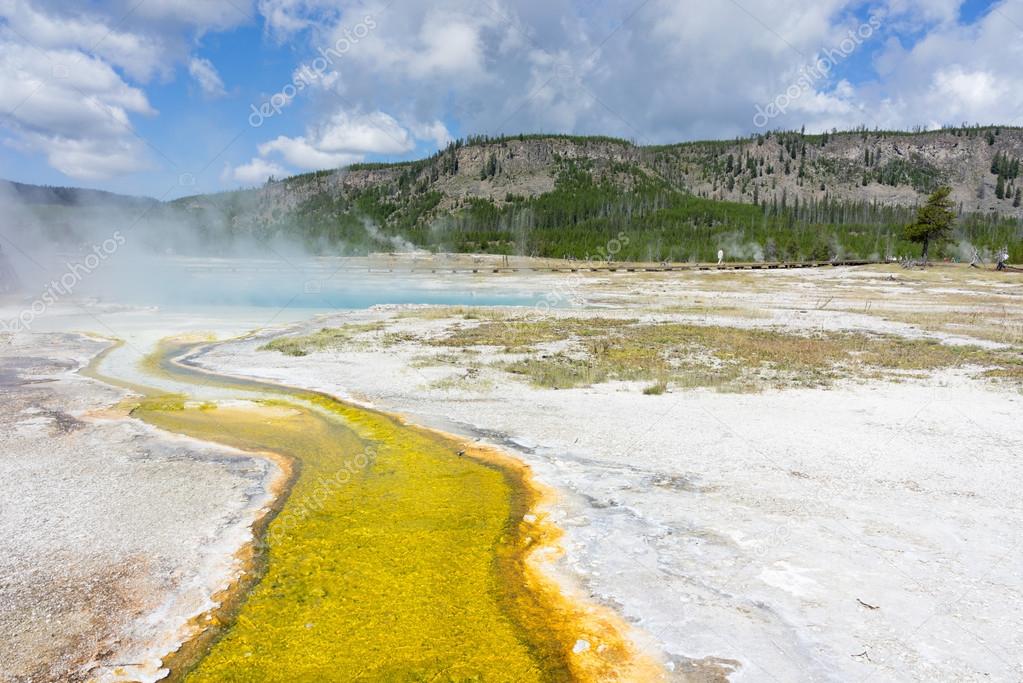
(358,299)
(305,284)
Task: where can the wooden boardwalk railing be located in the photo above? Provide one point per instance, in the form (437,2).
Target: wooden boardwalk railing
(568,267)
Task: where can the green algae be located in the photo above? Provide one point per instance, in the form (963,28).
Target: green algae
(394,557)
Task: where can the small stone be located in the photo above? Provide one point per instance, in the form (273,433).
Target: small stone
(581,646)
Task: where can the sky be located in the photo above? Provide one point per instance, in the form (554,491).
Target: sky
(167,98)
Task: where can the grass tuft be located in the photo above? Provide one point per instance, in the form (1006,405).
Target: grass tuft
(656,389)
(326,339)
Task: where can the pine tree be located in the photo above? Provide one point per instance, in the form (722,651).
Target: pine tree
(1000,187)
(489,168)
(933,220)
(1019,198)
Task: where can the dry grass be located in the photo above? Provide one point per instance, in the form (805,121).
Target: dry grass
(990,324)
(656,389)
(598,350)
(515,335)
(445,312)
(700,307)
(326,339)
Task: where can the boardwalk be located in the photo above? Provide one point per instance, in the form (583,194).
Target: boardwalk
(569,267)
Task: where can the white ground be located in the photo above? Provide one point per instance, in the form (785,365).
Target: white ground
(112,534)
(867,531)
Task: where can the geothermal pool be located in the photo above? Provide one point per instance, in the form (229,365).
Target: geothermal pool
(390,549)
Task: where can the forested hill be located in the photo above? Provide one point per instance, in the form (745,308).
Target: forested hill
(981,165)
(46,195)
(779,195)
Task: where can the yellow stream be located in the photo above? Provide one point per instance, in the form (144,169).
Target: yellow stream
(390,557)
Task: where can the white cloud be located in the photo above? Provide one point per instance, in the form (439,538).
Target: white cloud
(954,73)
(77,116)
(373,133)
(89,159)
(661,72)
(448,44)
(442,40)
(343,139)
(284,18)
(306,76)
(920,11)
(435,131)
(204,14)
(69,74)
(205,74)
(657,72)
(982,89)
(307,155)
(139,56)
(256,172)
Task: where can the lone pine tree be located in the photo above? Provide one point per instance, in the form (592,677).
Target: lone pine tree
(933,220)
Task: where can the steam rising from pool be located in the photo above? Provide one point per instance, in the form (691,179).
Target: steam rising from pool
(142,253)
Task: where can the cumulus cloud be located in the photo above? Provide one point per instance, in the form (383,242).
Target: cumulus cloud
(205,74)
(256,172)
(343,139)
(78,117)
(307,154)
(72,74)
(425,42)
(88,159)
(376,133)
(435,131)
(139,56)
(954,73)
(660,71)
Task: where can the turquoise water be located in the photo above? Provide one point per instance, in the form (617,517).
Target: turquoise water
(305,284)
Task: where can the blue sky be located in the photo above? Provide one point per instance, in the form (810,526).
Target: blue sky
(156,97)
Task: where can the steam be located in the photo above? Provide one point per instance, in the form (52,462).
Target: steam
(734,247)
(143,253)
(966,252)
(397,242)
(9,282)
(219,251)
